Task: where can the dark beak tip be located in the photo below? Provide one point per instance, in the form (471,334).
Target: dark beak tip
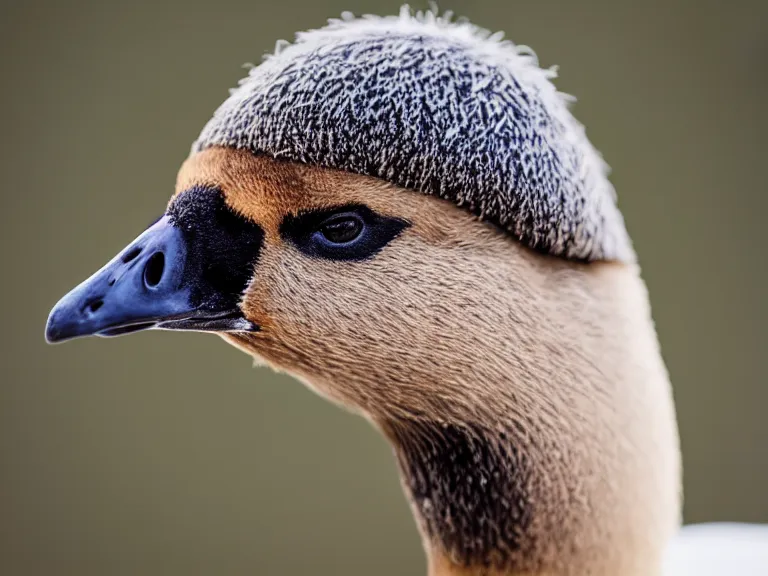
(64,321)
(51,337)
(54,339)
(54,332)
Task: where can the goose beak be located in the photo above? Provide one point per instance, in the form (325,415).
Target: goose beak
(148,285)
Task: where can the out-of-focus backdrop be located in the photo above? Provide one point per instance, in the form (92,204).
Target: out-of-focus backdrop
(169,454)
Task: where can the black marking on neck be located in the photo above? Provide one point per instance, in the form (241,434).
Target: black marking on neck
(223,247)
(471,489)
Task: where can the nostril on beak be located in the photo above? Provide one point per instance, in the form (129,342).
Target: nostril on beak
(131,254)
(153,271)
(93,305)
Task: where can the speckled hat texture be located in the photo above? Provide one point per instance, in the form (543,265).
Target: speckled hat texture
(439,107)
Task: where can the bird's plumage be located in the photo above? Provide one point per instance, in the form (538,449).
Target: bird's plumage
(436,106)
(524,393)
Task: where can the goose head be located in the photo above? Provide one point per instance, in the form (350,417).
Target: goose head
(402,213)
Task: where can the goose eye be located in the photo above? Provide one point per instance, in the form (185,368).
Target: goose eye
(342,229)
(350,232)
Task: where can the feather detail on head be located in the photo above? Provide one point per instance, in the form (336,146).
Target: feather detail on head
(437,106)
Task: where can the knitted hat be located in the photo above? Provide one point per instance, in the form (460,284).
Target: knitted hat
(436,106)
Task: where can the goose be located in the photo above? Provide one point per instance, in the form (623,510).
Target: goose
(403,213)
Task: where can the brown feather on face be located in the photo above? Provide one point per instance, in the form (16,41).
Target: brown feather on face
(543,374)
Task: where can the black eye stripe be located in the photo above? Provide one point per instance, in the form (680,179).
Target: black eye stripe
(306,231)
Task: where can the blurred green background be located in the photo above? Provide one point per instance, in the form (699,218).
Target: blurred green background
(165,454)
